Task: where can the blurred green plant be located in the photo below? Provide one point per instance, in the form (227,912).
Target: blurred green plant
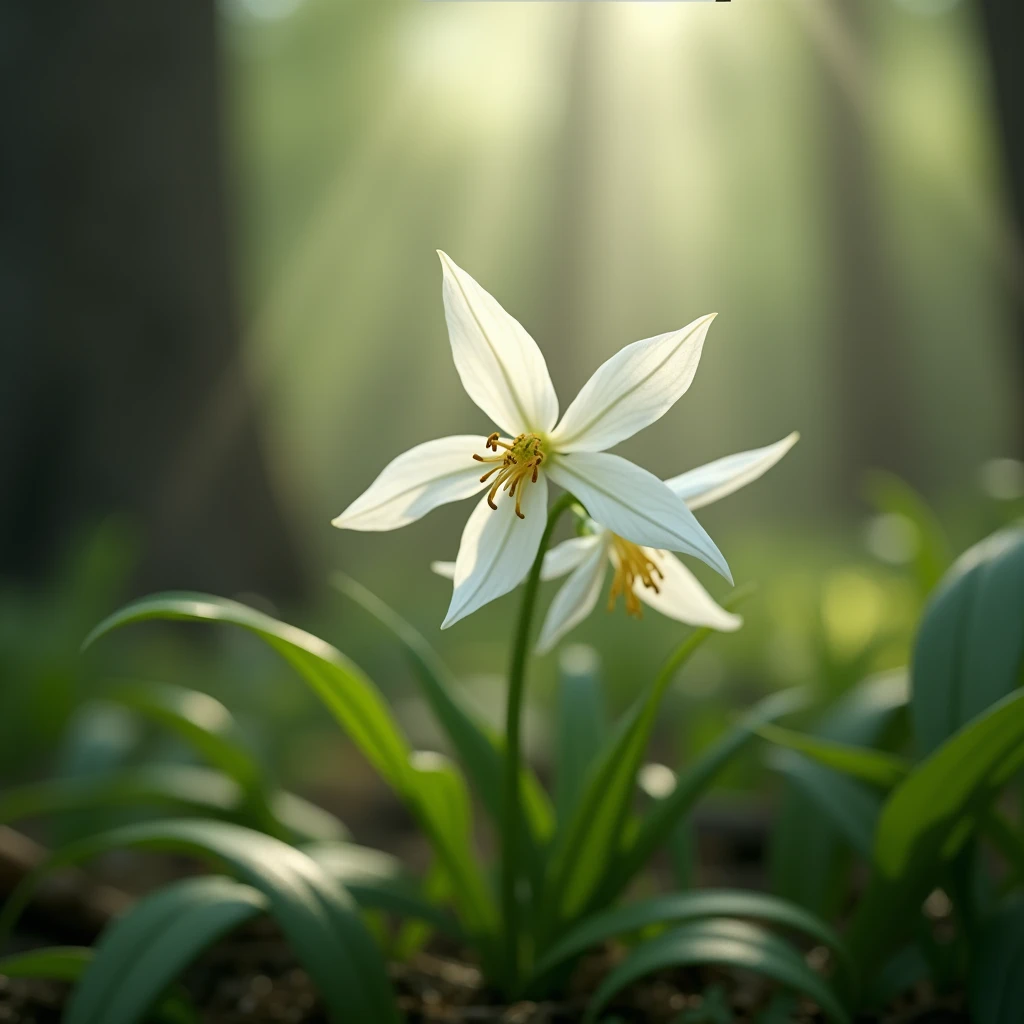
(912,782)
(579,853)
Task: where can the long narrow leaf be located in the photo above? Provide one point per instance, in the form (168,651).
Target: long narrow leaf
(478,746)
(316,914)
(846,804)
(69,963)
(176,787)
(725,943)
(929,818)
(203,722)
(584,849)
(58,963)
(581,724)
(872,766)
(379,881)
(360,709)
(970,644)
(691,784)
(997,982)
(674,908)
(142,953)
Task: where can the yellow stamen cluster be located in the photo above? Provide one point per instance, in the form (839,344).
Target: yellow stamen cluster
(632,563)
(518,466)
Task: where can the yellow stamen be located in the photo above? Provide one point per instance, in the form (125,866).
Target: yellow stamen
(518,466)
(632,563)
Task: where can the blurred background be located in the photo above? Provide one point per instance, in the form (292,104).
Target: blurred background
(222,316)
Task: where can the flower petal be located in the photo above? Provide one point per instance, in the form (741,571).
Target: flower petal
(680,596)
(635,504)
(637,386)
(576,598)
(568,555)
(705,484)
(408,487)
(558,561)
(497,550)
(500,365)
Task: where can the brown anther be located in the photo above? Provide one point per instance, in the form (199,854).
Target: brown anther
(518,465)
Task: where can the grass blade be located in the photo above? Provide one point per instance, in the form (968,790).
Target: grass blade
(726,943)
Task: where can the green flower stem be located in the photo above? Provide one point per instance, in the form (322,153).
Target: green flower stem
(512,819)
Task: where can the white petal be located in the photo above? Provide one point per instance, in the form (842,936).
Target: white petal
(500,365)
(681,596)
(497,550)
(702,486)
(558,561)
(635,504)
(637,386)
(576,598)
(431,474)
(564,557)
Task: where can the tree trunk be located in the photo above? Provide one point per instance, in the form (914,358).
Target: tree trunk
(119,338)
(872,375)
(1003,23)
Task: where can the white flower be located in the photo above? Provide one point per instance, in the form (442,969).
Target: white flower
(503,371)
(646,574)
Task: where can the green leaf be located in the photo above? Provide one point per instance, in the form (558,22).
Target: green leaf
(894,496)
(142,953)
(69,963)
(581,724)
(922,821)
(379,881)
(928,820)
(657,825)
(721,942)
(478,747)
(996,988)
(872,766)
(584,849)
(970,645)
(316,914)
(358,707)
(180,788)
(846,804)
(810,855)
(340,684)
(685,906)
(58,963)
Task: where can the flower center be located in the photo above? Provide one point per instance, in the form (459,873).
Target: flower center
(517,467)
(632,563)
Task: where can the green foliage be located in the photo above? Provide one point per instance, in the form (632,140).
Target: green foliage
(315,912)
(435,793)
(726,943)
(967,715)
(579,865)
(970,646)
